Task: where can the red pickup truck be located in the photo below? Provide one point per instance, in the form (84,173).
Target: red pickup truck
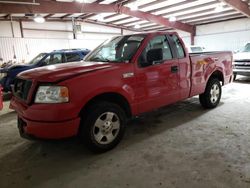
(123,77)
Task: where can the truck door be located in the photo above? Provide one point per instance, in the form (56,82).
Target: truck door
(157,81)
(184,65)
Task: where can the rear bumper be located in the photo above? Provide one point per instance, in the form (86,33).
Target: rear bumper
(48,130)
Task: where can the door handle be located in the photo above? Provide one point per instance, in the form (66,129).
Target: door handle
(174,69)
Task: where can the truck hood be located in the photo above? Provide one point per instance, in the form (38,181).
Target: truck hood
(242,56)
(55,73)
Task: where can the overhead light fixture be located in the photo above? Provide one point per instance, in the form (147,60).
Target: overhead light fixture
(172,19)
(219,8)
(137,26)
(134,7)
(39,19)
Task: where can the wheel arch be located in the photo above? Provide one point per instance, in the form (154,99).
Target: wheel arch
(112,97)
(218,75)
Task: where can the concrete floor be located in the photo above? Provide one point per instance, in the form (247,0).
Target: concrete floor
(181,145)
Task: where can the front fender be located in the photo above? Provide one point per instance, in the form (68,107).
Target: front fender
(125,91)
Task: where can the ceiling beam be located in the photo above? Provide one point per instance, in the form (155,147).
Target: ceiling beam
(239,5)
(220,20)
(49,15)
(158,20)
(65,16)
(53,7)
(216,20)
(139,7)
(151,11)
(172,12)
(119,3)
(63,20)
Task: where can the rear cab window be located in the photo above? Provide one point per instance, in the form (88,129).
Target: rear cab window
(179,48)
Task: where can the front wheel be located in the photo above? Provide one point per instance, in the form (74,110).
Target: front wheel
(212,95)
(103,126)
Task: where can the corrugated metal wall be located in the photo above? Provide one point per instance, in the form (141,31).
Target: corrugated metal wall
(27,48)
(35,41)
(229,35)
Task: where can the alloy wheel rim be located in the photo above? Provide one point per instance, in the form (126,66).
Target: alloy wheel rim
(106,128)
(214,93)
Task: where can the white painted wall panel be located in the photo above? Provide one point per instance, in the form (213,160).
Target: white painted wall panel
(229,35)
(5,29)
(25,49)
(47,34)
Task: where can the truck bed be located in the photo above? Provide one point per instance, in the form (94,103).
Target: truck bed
(204,63)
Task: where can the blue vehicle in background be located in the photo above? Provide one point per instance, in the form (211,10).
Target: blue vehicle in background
(8,74)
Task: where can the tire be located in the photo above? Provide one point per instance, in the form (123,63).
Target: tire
(103,126)
(212,95)
(234,77)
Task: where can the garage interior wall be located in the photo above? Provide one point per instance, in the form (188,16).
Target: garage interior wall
(57,34)
(229,35)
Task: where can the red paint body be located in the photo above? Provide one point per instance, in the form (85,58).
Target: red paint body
(150,88)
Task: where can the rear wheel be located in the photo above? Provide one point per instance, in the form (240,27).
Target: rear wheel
(212,95)
(103,126)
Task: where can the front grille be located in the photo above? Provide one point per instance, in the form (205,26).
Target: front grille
(242,64)
(21,88)
(241,67)
(243,60)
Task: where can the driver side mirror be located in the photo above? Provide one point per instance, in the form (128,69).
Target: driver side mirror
(154,56)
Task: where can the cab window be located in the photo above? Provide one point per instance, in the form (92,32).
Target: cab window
(71,57)
(179,47)
(53,59)
(158,47)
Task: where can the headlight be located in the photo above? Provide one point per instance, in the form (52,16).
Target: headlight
(52,94)
(2,75)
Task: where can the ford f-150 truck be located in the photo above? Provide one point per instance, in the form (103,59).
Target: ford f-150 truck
(123,77)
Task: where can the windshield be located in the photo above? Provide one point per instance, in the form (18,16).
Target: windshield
(117,49)
(37,59)
(247,48)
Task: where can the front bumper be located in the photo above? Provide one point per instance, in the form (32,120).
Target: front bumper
(243,72)
(47,130)
(46,121)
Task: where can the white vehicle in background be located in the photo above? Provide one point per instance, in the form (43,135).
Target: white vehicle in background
(195,49)
(242,62)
